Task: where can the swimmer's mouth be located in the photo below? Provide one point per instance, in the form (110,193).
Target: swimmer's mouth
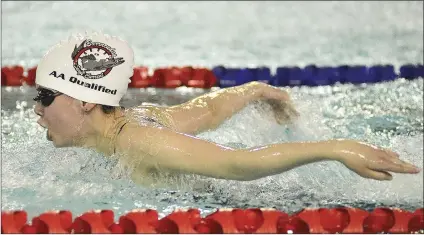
(48,136)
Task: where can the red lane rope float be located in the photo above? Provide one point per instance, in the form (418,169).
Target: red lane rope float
(53,222)
(12,76)
(139,221)
(233,220)
(171,77)
(13,222)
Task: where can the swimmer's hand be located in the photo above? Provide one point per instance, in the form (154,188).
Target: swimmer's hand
(371,162)
(280,102)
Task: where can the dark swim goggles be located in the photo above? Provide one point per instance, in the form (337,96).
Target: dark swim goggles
(46,96)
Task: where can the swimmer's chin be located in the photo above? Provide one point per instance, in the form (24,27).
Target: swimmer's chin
(57,143)
(50,138)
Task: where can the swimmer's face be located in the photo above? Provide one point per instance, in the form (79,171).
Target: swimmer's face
(63,118)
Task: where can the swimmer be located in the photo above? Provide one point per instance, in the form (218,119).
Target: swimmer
(80,107)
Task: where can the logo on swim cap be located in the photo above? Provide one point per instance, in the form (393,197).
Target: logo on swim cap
(94,60)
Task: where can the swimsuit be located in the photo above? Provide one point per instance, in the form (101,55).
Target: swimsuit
(119,124)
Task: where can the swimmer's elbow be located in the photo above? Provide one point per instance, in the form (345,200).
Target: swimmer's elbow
(227,168)
(239,176)
(246,178)
(239,171)
(228,173)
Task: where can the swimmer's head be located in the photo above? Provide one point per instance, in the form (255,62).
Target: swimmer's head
(77,76)
(94,68)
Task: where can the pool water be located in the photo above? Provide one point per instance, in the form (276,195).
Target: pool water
(38,177)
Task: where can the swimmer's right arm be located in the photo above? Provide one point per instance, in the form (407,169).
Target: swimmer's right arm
(176,152)
(210,110)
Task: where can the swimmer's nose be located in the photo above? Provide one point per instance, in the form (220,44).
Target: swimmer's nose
(38,109)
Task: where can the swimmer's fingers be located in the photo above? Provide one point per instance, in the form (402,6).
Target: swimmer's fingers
(390,153)
(382,172)
(378,175)
(392,162)
(402,166)
(283,111)
(276,93)
(397,166)
(291,110)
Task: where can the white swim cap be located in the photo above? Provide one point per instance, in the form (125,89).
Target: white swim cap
(93,68)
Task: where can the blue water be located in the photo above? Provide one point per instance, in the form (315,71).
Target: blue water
(37,177)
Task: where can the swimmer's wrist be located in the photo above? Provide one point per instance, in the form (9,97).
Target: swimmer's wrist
(337,146)
(257,89)
(324,150)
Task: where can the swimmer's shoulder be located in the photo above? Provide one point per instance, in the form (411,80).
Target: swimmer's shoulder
(154,112)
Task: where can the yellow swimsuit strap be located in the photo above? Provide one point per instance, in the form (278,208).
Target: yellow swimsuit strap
(113,132)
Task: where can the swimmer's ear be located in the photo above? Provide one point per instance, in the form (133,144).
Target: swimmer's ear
(87,107)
